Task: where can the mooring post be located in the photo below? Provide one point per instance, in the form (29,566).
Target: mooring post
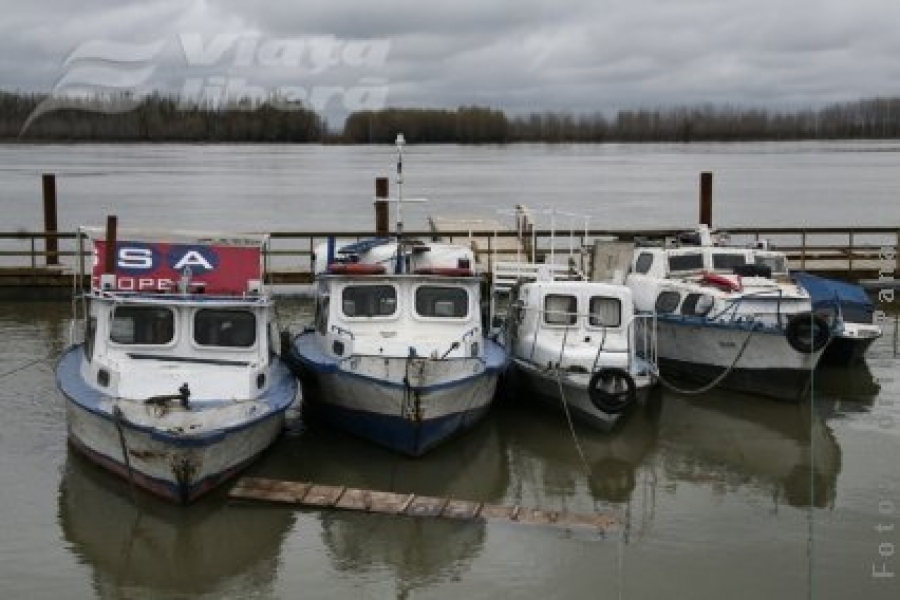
(706,198)
(51,243)
(112,225)
(382,216)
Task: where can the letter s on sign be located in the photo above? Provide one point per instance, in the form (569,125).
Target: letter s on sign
(135,258)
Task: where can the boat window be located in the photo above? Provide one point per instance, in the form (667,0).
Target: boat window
(686,262)
(696,305)
(369,301)
(667,301)
(225,328)
(442,301)
(644,262)
(778,264)
(605,312)
(727,262)
(560,310)
(142,325)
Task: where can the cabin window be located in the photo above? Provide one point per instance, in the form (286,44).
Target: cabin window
(369,301)
(686,262)
(442,301)
(777,264)
(149,325)
(696,305)
(560,310)
(605,312)
(644,262)
(727,262)
(667,302)
(225,328)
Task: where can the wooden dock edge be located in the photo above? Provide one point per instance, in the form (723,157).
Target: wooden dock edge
(312,495)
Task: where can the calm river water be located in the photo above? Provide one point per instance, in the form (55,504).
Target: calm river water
(722,495)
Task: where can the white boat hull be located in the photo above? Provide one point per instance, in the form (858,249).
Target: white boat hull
(174,453)
(569,391)
(758,361)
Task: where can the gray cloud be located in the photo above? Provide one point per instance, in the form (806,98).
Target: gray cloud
(530,55)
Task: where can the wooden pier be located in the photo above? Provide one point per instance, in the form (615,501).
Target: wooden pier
(311,495)
(30,271)
(39,265)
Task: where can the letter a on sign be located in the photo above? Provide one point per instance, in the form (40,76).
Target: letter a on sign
(193,259)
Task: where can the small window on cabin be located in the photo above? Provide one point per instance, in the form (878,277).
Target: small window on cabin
(686,262)
(225,328)
(442,301)
(369,301)
(560,310)
(667,302)
(727,262)
(605,312)
(142,325)
(644,262)
(696,305)
(777,264)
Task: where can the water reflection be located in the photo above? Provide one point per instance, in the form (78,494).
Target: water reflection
(145,548)
(413,551)
(546,463)
(729,441)
(471,467)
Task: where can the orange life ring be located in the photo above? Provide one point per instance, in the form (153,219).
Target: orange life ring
(722,282)
(445,271)
(355,269)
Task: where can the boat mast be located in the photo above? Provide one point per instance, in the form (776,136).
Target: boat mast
(400,141)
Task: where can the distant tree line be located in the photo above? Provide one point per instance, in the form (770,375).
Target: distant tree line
(35,117)
(873,119)
(154,118)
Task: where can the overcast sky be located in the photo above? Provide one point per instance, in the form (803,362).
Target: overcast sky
(522,56)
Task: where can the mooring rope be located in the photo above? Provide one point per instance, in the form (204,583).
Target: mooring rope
(562,398)
(721,377)
(117,418)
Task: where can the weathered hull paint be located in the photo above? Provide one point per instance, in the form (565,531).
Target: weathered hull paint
(179,467)
(409,411)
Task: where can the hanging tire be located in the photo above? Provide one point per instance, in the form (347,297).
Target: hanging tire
(807,333)
(612,390)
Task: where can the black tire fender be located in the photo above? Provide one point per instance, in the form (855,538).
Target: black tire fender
(807,333)
(613,402)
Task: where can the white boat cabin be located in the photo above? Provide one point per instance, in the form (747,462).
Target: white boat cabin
(138,346)
(406,315)
(573,324)
(708,281)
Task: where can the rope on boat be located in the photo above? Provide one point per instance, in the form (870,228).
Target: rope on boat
(719,378)
(22,367)
(117,418)
(565,405)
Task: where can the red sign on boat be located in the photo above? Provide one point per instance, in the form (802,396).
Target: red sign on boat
(160,267)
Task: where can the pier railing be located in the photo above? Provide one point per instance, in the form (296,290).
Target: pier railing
(851,252)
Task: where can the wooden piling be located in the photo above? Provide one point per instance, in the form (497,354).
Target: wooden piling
(112,225)
(51,243)
(706,199)
(382,216)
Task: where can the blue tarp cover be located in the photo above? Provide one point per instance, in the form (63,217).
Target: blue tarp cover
(853,299)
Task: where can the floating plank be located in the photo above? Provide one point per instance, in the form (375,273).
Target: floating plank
(389,503)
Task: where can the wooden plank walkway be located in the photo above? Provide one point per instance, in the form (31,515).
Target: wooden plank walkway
(314,495)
